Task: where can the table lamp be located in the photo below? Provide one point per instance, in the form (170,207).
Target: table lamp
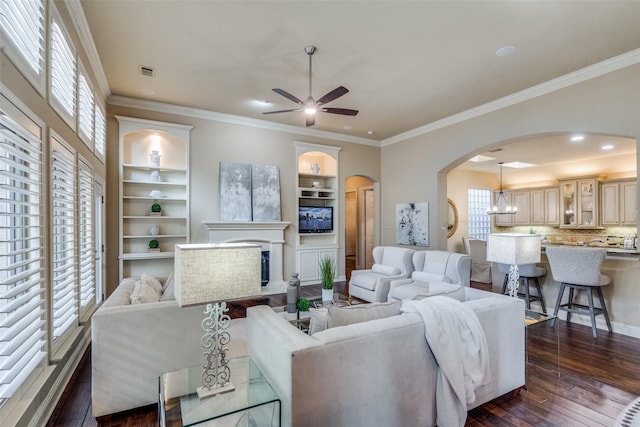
(513,249)
(212,274)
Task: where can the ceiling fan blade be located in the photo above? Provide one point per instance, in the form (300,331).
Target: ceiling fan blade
(343,111)
(334,94)
(281,111)
(311,120)
(287,95)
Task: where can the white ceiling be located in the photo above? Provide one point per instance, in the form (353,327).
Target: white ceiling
(406,63)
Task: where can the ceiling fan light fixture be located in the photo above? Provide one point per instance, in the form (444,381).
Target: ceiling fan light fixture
(310,111)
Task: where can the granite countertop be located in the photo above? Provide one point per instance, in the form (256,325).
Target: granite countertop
(612,250)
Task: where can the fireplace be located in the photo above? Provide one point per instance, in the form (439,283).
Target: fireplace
(270,235)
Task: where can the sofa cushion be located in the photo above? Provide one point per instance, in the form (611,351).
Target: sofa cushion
(152,281)
(421,276)
(144,293)
(387,270)
(167,289)
(365,280)
(341,316)
(318,319)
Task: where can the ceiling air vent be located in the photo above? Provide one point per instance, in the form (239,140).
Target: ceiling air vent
(147,71)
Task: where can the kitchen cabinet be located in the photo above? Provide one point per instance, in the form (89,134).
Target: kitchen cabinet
(579,203)
(618,204)
(522,200)
(552,206)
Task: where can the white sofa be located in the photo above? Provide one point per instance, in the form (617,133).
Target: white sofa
(434,273)
(132,344)
(379,372)
(390,263)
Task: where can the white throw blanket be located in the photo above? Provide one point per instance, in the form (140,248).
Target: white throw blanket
(459,346)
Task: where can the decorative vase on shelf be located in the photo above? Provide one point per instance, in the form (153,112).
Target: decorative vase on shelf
(155,176)
(154,230)
(315,168)
(154,159)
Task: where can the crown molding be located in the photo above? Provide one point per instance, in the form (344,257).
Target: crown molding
(86,39)
(596,70)
(161,107)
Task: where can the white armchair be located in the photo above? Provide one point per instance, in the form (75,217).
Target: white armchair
(391,263)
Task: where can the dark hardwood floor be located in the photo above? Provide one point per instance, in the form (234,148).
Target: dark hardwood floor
(598,378)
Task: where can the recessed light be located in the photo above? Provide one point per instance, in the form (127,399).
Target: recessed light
(518,165)
(348,127)
(577,138)
(371,132)
(147,91)
(506,50)
(607,147)
(480,158)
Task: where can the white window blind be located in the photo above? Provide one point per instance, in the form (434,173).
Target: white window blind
(22,22)
(100,134)
(63,188)
(85,109)
(22,323)
(85,236)
(63,73)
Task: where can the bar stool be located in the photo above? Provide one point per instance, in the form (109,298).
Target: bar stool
(579,268)
(527,271)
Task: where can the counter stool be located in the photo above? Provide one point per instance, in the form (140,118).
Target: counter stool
(527,271)
(579,268)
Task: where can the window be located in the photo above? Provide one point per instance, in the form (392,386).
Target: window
(63,73)
(22,323)
(100,134)
(479,221)
(22,37)
(85,109)
(85,236)
(63,248)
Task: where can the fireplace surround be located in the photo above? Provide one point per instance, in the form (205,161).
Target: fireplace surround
(268,234)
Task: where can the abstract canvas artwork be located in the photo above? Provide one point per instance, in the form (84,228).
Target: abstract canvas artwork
(265,193)
(412,224)
(235,191)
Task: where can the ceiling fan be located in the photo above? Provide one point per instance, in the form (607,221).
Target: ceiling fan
(310,106)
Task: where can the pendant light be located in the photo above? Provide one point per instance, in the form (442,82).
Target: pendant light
(502,207)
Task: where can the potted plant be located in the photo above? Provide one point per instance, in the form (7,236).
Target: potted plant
(156,209)
(327,274)
(154,246)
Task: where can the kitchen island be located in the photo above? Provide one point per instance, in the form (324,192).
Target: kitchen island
(622,295)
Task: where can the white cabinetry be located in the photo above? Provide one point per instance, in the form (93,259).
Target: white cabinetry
(144,183)
(317,192)
(579,203)
(521,199)
(536,206)
(618,205)
(552,206)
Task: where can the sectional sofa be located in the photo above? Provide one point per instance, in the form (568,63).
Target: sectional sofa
(381,371)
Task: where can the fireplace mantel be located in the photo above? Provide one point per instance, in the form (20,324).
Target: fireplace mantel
(269,233)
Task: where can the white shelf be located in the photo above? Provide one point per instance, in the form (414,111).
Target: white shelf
(150,168)
(167,199)
(311,175)
(160,183)
(152,217)
(146,255)
(158,236)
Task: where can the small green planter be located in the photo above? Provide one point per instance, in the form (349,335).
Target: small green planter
(156,208)
(154,244)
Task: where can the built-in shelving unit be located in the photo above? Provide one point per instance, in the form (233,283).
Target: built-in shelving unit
(144,182)
(318,186)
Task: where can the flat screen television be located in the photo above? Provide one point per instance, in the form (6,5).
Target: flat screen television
(315,219)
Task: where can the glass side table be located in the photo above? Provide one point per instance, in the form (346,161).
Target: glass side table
(252,403)
(543,330)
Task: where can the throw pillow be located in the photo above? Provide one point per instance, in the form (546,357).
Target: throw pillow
(421,276)
(319,318)
(167,289)
(143,293)
(151,281)
(341,316)
(387,270)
